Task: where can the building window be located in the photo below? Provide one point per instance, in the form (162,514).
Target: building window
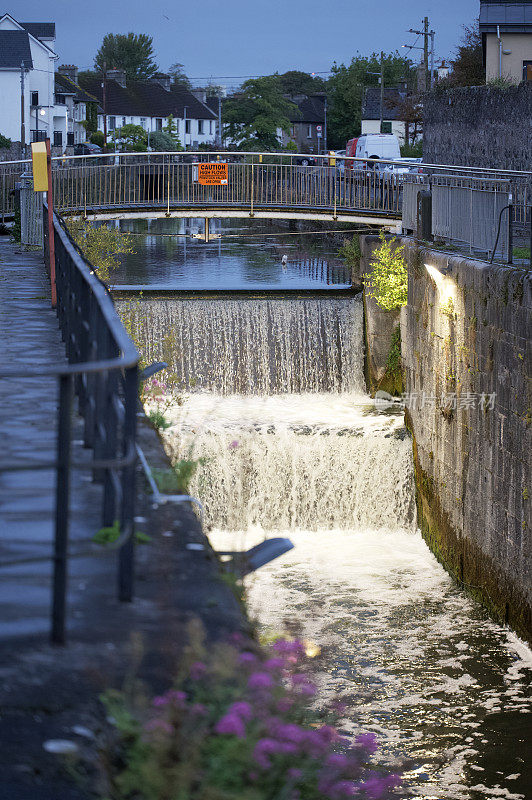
(527,70)
(123,121)
(158,124)
(187,126)
(309,131)
(70,140)
(35,98)
(386,126)
(38,136)
(112,123)
(210,127)
(143,122)
(60,100)
(58,138)
(200,126)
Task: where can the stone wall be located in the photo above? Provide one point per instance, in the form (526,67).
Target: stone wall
(467,355)
(379,329)
(479,126)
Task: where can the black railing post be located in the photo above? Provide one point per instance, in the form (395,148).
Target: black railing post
(510,232)
(126,555)
(61,510)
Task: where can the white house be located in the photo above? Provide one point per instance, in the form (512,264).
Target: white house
(149,103)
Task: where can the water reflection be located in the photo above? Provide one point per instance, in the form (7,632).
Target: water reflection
(244,257)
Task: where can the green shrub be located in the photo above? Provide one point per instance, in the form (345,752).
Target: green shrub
(4,141)
(388,281)
(97,138)
(160,141)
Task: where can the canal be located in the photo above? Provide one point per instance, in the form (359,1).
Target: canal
(269,392)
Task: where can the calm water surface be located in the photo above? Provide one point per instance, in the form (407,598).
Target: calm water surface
(245,257)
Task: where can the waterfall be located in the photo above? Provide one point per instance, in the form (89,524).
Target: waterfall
(254,346)
(309,462)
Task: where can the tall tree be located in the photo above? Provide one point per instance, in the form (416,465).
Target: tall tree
(468,66)
(345,90)
(254,116)
(131,52)
(180,78)
(296,82)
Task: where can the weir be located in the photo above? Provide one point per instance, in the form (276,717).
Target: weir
(253,346)
(270,395)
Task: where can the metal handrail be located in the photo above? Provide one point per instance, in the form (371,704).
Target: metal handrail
(103,372)
(207,155)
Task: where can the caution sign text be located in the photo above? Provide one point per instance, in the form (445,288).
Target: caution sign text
(212,174)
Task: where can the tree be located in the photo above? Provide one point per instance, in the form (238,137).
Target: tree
(387,282)
(468,66)
(254,116)
(100,245)
(131,138)
(162,142)
(132,52)
(409,109)
(296,82)
(178,75)
(171,128)
(345,90)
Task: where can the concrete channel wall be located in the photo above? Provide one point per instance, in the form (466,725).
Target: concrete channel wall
(467,358)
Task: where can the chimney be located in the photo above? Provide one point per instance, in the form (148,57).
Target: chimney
(117,75)
(162,79)
(69,71)
(199,94)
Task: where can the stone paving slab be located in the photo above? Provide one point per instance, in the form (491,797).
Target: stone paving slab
(46,691)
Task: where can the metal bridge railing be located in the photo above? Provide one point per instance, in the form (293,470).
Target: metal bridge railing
(102,371)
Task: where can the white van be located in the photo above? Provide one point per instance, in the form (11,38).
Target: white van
(377,145)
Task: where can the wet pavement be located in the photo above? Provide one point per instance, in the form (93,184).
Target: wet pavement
(51,692)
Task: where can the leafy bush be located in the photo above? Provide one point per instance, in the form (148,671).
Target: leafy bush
(4,141)
(351,252)
(412,150)
(239,727)
(388,281)
(177,479)
(97,138)
(100,245)
(131,138)
(160,141)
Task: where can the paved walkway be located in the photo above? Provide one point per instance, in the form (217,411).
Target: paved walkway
(29,336)
(46,692)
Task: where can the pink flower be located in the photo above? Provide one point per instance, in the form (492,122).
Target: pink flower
(337,760)
(231,725)
(234,444)
(341,789)
(158,726)
(377,786)
(368,741)
(241,709)
(260,680)
(198,709)
(285,704)
(263,749)
(197,670)
(294,774)
(274,663)
(247,658)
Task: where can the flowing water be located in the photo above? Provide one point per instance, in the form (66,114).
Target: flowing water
(273,397)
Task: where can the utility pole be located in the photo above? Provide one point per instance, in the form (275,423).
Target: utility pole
(426,50)
(325,125)
(382,91)
(104,105)
(22,114)
(426,33)
(219,137)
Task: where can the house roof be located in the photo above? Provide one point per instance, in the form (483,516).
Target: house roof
(311,109)
(371,105)
(65,85)
(515,17)
(15,49)
(41,30)
(146,99)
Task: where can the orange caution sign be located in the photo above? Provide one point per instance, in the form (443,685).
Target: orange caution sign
(213,173)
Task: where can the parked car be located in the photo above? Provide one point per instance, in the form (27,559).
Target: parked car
(87,149)
(306,161)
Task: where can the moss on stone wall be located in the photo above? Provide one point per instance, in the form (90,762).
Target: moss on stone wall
(474,571)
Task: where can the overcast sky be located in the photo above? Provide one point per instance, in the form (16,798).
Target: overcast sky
(232,38)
